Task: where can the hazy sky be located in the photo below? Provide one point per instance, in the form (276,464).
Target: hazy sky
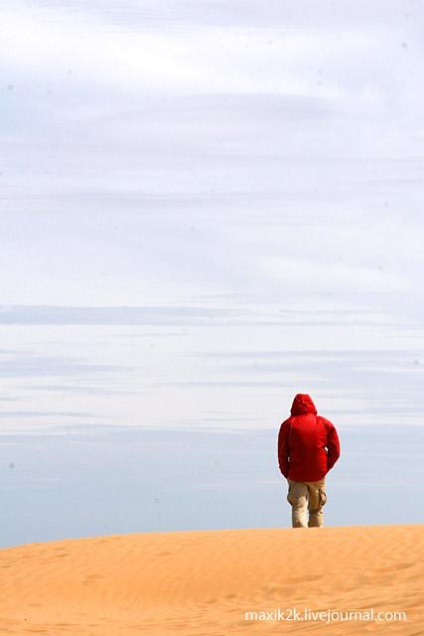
(207,206)
(244,153)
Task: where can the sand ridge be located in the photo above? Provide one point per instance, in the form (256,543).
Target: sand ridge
(203,583)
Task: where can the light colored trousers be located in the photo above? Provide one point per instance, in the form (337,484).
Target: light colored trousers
(307,497)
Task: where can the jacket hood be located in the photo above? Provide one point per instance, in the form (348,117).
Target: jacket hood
(303,404)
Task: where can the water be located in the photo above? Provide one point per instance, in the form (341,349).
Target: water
(110,428)
(75,483)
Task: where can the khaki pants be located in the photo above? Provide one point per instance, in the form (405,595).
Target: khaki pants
(304,497)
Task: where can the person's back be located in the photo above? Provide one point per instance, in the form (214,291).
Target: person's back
(308,447)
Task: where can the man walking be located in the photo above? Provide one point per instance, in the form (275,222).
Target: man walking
(308,447)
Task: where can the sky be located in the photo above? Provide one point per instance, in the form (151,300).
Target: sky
(198,198)
(205,208)
(212,154)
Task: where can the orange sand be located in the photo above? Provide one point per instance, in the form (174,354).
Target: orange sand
(203,582)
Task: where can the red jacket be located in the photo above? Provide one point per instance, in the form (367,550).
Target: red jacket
(308,444)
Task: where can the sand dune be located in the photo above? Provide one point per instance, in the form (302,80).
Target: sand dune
(202,583)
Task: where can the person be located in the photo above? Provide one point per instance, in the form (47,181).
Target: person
(308,448)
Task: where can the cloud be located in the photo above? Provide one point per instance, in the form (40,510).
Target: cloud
(159,152)
(65,45)
(314,276)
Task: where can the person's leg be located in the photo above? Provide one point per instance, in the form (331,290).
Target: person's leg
(317,499)
(298,499)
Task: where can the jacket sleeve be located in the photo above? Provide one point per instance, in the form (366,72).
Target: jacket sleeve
(283,448)
(333,445)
